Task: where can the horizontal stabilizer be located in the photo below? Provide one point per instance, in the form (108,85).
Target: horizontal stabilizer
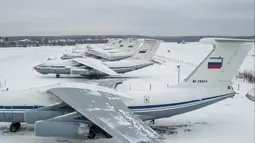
(216,40)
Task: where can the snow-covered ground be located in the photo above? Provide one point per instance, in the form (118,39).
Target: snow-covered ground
(231,120)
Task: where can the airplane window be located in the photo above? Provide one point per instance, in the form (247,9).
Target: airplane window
(42,65)
(7,107)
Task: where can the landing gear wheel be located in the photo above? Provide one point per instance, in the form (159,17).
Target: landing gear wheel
(15,126)
(57,76)
(107,135)
(92,134)
(152,121)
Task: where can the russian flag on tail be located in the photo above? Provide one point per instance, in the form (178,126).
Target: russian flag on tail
(215,63)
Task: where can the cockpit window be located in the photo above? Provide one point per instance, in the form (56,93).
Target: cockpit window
(42,65)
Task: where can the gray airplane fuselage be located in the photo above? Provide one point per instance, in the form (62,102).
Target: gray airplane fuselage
(143,108)
(87,71)
(9,114)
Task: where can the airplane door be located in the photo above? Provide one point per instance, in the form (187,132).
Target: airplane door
(8,112)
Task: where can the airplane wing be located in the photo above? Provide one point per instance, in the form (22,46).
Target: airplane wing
(95,64)
(109,113)
(99,52)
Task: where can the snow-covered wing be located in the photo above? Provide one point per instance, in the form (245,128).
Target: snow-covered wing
(95,64)
(109,113)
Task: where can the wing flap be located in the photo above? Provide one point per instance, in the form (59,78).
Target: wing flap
(95,64)
(109,113)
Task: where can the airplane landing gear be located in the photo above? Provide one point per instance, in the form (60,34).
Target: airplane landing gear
(152,121)
(15,126)
(57,76)
(93,130)
(107,135)
(91,134)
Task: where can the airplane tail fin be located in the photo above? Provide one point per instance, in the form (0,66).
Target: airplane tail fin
(130,45)
(113,42)
(146,49)
(222,63)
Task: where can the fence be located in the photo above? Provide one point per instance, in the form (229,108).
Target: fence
(169,59)
(148,87)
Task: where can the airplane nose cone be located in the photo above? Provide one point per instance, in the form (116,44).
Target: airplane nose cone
(40,69)
(36,68)
(64,57)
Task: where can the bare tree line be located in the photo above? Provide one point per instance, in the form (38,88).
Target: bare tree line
(247,76)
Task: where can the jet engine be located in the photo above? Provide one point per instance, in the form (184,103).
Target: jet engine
(80,71)
(35,115)
(60,129)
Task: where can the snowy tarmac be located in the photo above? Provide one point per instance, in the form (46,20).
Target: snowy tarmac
(231,120)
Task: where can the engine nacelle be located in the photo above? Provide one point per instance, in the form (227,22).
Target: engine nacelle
(35,115)
(60,129)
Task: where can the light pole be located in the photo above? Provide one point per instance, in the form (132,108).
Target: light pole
(179,68)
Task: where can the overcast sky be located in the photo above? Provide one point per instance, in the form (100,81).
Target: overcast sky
(143,17)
